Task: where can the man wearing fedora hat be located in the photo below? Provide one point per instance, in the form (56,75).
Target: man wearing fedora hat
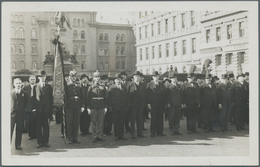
(125,83)
(43,103)
(247,84)
(230,85)
(156,103)
(191,101)
(135,103)
(117,103)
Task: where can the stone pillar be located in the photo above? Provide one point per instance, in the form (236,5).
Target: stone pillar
(235,63)
(246,61)
(224,63)
(214,65)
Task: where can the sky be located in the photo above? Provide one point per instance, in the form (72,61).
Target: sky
(113,17)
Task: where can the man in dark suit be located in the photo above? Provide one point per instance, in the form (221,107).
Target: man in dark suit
(230,84)
(156,103)
(208,95)
(124,84)
(31,114)
(117,102)
(191,100)
(18,104)
(174,103)
(135,103)
(84,117)
(43,103)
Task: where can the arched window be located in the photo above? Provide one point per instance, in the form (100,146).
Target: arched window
(78,22)
(21,48)
(21,33)
(117,65)
(52,33)
(117,37)
(122,51)
(75,49)
(22,65)
(106,65)
(106,51)
(75,34)
(82,34)
(83,65)
(101,65)
(34,33)
(101,51)
(12,32)
(117,51)
(16,18)
(101,37)
(82,49)
(82,23)
(34,48)
(13,48)
(106,37)
(123,65)
(12,17)
(34,65)
(20,18)
(13,65)
(74,22)
(122,37)
(52,21)
(33,20)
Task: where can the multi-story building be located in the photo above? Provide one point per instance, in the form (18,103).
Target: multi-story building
(109,48)
(224,41)
(168,38)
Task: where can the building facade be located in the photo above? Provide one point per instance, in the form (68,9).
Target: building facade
(108,48)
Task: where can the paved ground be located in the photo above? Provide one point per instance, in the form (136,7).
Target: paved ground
(232,143)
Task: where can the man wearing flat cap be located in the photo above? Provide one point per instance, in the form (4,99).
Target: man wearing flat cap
(84,117)
(73,108)
(97,107)
(191,100)
(117,103)
(156,103)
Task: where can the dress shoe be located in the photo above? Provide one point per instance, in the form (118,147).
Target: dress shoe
(132,137)
(83,133)
(206,131)
(39,146)
(47,145)
(88,133)
(226,129)
(212,130)
(71,142)
(243,128)
(144,129)
(161,134)
(99,139)
(189,132)
(109,134)
(123,138)
(142,136)
(117,138)
(62,136)
(238,129)
(30,138)
(18,148)
(152,135)
(177,133)
(195,131)
(77,142)
(95,140)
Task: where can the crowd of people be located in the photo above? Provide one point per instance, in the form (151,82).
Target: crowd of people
(206,102)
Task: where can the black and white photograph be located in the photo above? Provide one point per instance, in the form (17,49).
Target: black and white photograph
(130,83)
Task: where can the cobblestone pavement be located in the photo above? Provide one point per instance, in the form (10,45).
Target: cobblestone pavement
(231,143)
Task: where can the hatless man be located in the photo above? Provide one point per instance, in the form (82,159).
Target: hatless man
(19,100)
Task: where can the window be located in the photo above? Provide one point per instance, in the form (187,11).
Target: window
(75,34)
(117,65)
(192,13)
(12,32)
(207,36)
(122,51)
(78,23)
(175,48)
(122,37)
(12,17)
(101,50)
(174,23)
(167,50)
(140,33)
(34,33)
(75,49)
(153,52)
(152,30)
(140,14)
(146,53)
(101,65)
(16,18)
(218,34)
(117,37)
(106,37)
(141,56)
(218,60)
(82,23)
(22,65)
(74,22)
(34,48)
(145,31)
(33,20)
(123,65)
(159,27)
(21,33)
(13,48)
(160,51)
(13,65)
(101,37)
(241,57)
(82,49)
(241,29)
(106,51)
(106,65)
(52,33)
(193,45)
(117,51)
(166,25)
(34,65)
(229,31)
(83,65)
(82,34)
(183,20)
(184,47)
(229,58)
(21,48)
(21,19)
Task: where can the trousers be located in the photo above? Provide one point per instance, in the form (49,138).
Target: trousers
(84,122)
(97,117)
(136,116)
(19,121)
(43,128)
(32,124)
(119,117)
(174,119)
(192,116)
(156,121)
(72,123)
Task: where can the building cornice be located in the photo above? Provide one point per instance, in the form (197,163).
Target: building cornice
(222,15)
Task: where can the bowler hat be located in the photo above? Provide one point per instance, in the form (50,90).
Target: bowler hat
(166,79)
(118,75)
(155,73)
(137,73)
(123,73)
(73,73)
(96,74)
(224,76)
(208,76)
(41,73)
(231,75)
(141,75)
(247,74)
(83,76)
(240,74)
(190,75)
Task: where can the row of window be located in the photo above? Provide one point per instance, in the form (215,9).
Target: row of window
(78,22)
(22,65)
(145,13)
(166,25)
(105,37)
(76,49)
(75,34)
(19,33)
(229,58)
(17,19)
(167,51)
(104,51)
(228,32)
(21,48)
(105,66)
